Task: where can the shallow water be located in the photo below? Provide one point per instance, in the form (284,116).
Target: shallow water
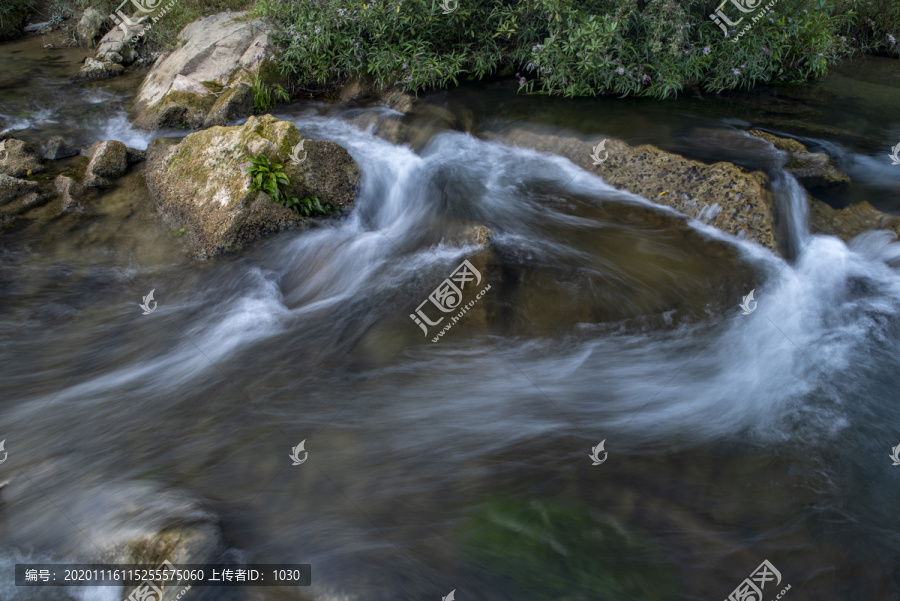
(463,464)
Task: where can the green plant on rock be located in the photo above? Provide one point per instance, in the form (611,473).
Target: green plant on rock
(311,206)
(265,96)
(268,176)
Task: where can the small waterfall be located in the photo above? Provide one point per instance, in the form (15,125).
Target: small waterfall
(793,211)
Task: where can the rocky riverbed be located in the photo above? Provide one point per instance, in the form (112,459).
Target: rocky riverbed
(617,252)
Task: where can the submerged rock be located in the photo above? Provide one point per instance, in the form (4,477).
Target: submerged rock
(724,195)
(812,169)
(207,80)
(204,181)
(56,148)
(21,158)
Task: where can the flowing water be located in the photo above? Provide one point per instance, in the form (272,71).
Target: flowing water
(463,464)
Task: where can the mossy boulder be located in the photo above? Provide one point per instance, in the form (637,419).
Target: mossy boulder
(730,198)
(206,81)
(204,181)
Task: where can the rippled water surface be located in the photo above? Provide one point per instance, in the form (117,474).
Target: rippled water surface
(463,464)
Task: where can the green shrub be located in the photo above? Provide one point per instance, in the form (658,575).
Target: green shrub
(268,177)
(12,17)
(572,47)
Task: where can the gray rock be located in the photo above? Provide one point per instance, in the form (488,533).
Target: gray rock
(132,155)
(93,69)
(108,159)
(91,27)
(115,51)
(234,103)
(204,181)
(119,43)
(13,187)
(56,148)
(69,191)
(35,27)
(20,158)
(187,85)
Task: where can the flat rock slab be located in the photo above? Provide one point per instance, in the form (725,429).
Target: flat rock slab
(724,195)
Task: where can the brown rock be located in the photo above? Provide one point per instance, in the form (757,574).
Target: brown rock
(812,169)
(850,221)
(724,195)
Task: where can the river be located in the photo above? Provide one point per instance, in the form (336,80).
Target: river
(464,464)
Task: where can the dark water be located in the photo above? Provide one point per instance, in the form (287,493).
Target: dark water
(463,464)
